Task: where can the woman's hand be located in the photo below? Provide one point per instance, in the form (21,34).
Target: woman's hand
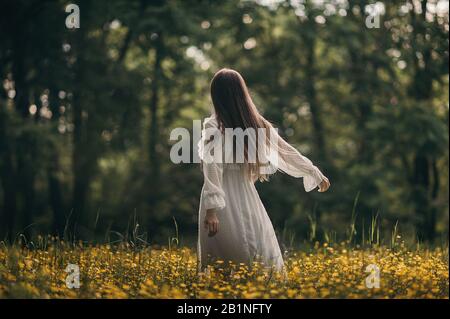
(324,185)
(211,222)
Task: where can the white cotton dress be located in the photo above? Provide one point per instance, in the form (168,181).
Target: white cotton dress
(245,231)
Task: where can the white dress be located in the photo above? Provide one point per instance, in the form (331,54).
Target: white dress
(245,231)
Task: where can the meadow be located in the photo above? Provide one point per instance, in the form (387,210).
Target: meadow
(128,271)
(86,116)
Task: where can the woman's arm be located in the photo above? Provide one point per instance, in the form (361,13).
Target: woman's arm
(292,162)
(213,195)
(211,222)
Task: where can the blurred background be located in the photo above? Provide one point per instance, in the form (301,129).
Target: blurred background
(86,113)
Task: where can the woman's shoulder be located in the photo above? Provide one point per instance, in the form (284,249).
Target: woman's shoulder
(210,122)
(210,133)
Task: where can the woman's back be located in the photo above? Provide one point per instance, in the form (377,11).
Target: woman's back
(235,151)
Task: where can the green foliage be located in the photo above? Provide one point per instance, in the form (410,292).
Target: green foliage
(85,115)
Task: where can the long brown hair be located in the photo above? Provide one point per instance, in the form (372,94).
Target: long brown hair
(234,108)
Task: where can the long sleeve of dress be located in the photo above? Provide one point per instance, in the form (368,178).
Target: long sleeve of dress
(214,197)
(293,163)
(213,194)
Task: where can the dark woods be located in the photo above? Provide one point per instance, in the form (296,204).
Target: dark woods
(85,114)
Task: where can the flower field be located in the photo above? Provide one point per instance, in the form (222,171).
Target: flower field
(125,272)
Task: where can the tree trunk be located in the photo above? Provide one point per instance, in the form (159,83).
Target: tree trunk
(359,66)
(81,156)
(26,176)
(55,198)
(26,141)
(311,95)
(78,157)
(7,178)
(421,90)
(154,127)
(53,168)
(421,181)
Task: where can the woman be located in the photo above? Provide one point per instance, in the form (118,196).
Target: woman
(233,223)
